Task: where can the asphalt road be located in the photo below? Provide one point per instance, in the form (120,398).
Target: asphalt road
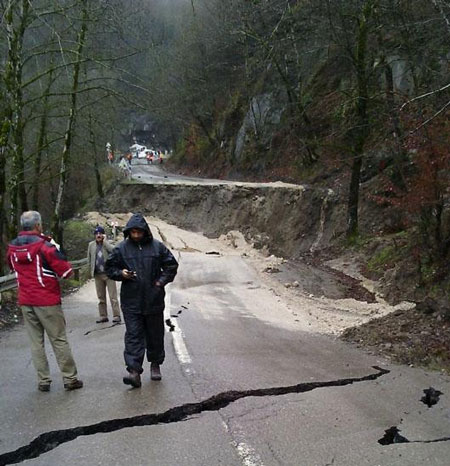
(154,174)
(242,385)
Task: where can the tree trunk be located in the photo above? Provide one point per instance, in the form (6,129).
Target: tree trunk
(4,134)
(13,85)
(400,155)
(98,178)
(41,144)
(57,229)
(360,131)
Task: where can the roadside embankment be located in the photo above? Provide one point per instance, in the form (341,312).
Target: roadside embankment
(287,219)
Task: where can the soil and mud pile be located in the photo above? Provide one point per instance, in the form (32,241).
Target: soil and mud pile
(297,223)
(288,219)
(286,230)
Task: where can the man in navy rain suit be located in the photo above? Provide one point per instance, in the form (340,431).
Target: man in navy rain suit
(145,266)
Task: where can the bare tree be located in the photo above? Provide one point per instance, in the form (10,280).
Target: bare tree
(17,19)
(57,229)
(359,132)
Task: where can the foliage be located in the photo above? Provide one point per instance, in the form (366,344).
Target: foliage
(78,234)
(63,76)
(343,83)
(423,202)
(193,149)
(383,259)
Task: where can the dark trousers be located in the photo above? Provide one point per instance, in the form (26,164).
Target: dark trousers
(143,332)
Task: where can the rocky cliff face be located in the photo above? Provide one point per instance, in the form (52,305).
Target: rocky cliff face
(260,121)
(288,219)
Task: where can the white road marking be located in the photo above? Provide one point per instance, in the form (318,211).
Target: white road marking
(246,453)
(178,340)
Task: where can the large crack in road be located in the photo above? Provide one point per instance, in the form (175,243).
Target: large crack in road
(392,436)
(50,440)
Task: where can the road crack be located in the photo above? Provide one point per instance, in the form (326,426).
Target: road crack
(170,325)
(115,324)
(50,440)
(163,237)
(392,436)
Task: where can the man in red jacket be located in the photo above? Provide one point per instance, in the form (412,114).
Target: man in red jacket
(38,264)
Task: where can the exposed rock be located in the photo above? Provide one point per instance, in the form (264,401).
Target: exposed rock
(272,270)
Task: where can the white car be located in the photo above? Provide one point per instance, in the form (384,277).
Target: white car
(138,151)
(142,154)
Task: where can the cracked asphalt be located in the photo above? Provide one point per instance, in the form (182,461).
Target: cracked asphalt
(243,384)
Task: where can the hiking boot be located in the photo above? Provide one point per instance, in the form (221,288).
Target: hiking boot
(74,385)
(102,320)
(132,378)
(117,320)
(155,371)
(44,387)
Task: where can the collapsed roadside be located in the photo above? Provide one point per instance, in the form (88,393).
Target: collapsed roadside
(286,230)
(327,292)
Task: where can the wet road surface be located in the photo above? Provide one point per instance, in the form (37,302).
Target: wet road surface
(242,385)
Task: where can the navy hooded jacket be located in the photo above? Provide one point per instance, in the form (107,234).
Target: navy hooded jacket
(151,261)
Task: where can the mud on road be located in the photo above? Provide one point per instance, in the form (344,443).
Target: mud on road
(328,295)
(320,297)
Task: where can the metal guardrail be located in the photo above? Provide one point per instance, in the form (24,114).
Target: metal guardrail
(9,282)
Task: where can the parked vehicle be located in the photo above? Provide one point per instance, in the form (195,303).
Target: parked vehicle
(138,151)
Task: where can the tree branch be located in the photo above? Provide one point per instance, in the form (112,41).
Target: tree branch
(425,95)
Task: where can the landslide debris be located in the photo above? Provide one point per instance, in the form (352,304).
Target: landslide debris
(414,337)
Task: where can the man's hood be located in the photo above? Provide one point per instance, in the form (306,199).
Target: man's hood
(137,221)
(25,251)
(35,233)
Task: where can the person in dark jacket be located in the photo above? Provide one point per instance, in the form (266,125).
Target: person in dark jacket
(38,264)
(145,266)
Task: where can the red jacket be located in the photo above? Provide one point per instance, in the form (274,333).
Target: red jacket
(37,264)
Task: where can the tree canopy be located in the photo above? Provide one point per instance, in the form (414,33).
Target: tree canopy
(273,89)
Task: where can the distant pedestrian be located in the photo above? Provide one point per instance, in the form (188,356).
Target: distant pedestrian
(145,266)
(125,167)
(110,157)
(38,264)
(97,254)
(129,157)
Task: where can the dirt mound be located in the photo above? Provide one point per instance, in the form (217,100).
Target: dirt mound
(287,219)
(325,289)
(411,337)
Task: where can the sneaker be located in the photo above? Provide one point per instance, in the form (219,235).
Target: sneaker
(132,378)
(44,387)
(102,320)
(155,371)
(117,320)
(74,385)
